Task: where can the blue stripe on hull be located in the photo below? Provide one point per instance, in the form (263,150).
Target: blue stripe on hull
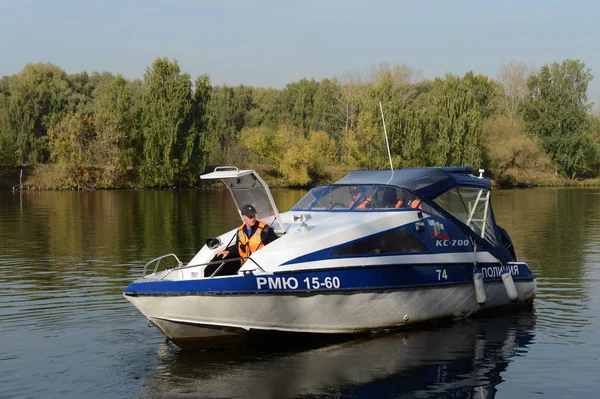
(342,280)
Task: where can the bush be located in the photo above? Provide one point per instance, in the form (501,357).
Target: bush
(513,157)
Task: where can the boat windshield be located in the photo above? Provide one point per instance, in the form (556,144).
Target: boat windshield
(357,197)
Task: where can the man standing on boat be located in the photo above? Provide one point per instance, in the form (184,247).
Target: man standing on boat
(251,236)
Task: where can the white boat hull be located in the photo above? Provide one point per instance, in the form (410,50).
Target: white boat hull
(188,318)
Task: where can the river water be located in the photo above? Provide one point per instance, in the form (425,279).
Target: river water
(67,332)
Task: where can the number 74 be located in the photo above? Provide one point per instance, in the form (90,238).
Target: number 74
(441,274)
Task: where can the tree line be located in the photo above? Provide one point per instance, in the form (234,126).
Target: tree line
(101,130)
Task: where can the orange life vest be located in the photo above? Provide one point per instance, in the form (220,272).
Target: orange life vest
(399,203)
(364,204)
(416,203)
(247,246)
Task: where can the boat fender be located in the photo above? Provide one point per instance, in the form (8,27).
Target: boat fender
(479,287)
(509,285)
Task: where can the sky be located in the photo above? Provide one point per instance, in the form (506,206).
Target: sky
(271,43)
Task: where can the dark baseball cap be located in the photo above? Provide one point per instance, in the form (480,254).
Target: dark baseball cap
(248,210)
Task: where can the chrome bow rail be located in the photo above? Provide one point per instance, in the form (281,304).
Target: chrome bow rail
(157,261)
(180,266)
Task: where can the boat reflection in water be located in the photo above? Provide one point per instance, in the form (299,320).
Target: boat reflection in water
(464,359)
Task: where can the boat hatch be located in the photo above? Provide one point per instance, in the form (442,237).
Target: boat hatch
(246,187)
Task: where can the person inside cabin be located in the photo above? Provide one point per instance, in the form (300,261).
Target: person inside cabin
(409,200)
(356,194)
(251,236)
(387,197)
(402,201)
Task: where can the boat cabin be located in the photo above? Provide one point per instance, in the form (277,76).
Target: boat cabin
(451,193)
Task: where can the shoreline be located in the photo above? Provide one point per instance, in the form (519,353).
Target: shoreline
(37,178)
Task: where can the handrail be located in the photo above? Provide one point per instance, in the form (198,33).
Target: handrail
(157,260)
(217,269)
(225,168)
(222,262)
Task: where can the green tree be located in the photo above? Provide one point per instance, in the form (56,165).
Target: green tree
(263,111)
(556,111)
(372,150)
(406,139)
(327,111)
(349,93)
(349,99)
(195,155)
(166,107)
(8,150)
(228,111)
(84,88)
(593,155)
(296,104)
(402,117)
(70,142)
(394,87)
(80,92)
(38,100)
(115,121)
(453,124)
(484,91)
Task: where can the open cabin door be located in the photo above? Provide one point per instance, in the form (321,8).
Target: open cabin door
(246,187)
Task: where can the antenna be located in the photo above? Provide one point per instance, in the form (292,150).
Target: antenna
(386,138)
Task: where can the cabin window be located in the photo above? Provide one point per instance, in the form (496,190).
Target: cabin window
(357,197)
(384,197)
(332,198)
(310,198)
(472,207)
(390,242)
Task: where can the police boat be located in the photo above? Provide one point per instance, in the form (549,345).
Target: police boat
(373,251)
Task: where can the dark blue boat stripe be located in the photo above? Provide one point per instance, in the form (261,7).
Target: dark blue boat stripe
(327,253)
(385,277)
(455,241)
(307,293)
